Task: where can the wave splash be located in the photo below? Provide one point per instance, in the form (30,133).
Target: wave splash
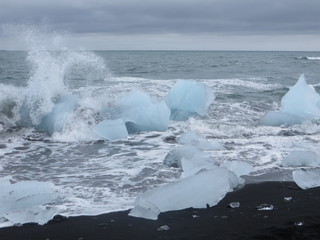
(55,76)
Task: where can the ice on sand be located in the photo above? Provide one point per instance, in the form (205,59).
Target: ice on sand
(26,201)
(191,138)
(300,103)
(301,159)
(111,129)
(205,188)
(141,113)
(187,98)
(307,178)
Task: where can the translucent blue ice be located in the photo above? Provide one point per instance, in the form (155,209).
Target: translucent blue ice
(300,103)
(141,113)
(111,129)
(187,98)
(307,178)
(55,120)
(205,188)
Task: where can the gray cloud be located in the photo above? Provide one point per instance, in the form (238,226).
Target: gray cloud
(168,16)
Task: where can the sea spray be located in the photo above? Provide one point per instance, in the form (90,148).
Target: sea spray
(54,75)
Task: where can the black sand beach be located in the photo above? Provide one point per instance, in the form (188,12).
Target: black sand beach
(296,218)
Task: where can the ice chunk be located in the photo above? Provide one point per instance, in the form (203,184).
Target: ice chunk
(301,159)
(307,178)
(198,191)
(198,162)
(111,129)
(173,158)
(36,214)
(141,113)
(186,98)
(280,118)
(239,168)
(300,103)
(55,120)
(198,141)
(265,207)
(25,201)
(234,205)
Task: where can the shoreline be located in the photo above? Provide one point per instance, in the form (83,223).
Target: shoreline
(295,215)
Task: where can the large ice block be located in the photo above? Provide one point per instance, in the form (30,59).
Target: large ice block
(141,113)
(205,188)
(111,129)
(300,103)
(55,120)
(307,178)
(26,201)
(301,159)
(187,98)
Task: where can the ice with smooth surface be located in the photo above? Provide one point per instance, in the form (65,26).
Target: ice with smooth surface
(141,113)
(239,168)
(26,201)
(277,118)
(111,129)
(198,141)
(193,165)
(205,188)
(187,98)
(301,159)
(55,120)
(300,103)
(174,157)
(307,178)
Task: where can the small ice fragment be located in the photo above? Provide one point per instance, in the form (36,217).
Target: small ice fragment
(111,129)
(265,207)
(163,228)
(287,199)
(234,205)
(299,224)
(307,178)
(195,216)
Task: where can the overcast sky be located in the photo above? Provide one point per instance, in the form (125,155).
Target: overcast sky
(169,24)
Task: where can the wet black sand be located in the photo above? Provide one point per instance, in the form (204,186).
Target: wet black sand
(298,218)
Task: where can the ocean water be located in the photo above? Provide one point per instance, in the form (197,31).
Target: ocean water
(92,175)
